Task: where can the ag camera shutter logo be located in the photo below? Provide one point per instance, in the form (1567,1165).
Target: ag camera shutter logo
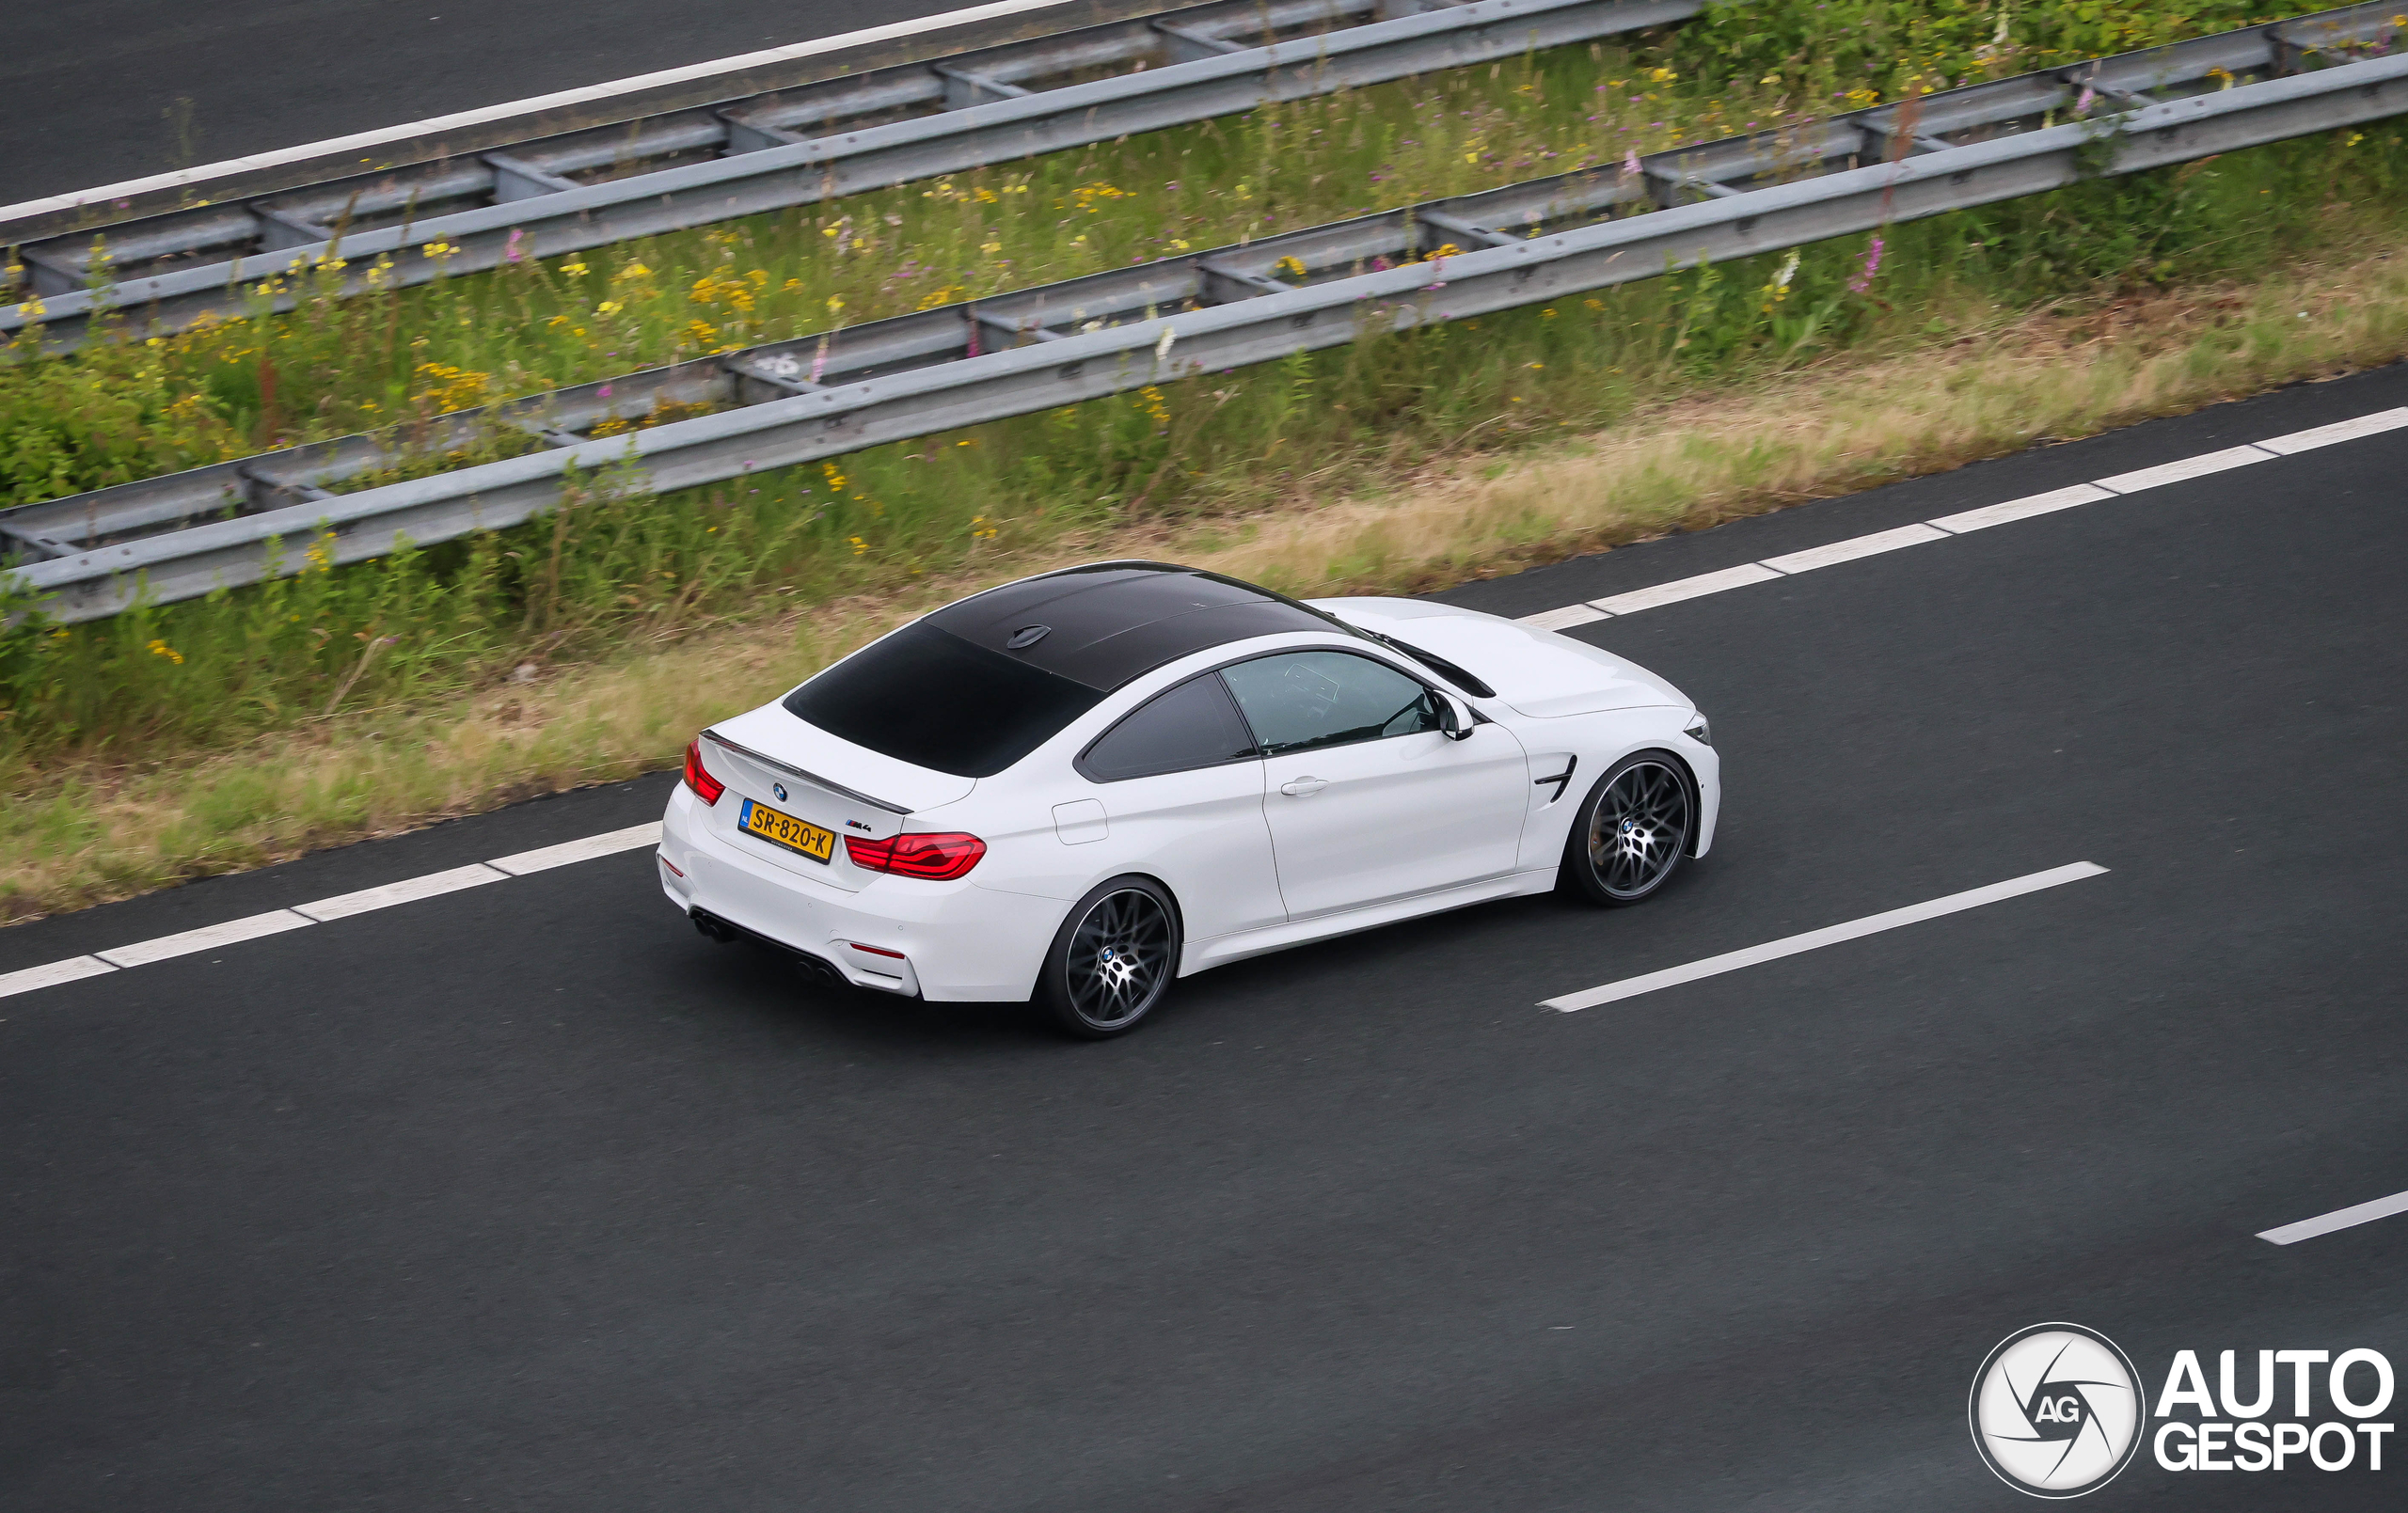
(2056,1410)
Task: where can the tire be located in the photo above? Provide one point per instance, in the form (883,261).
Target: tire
(1112,959)
(1632,831)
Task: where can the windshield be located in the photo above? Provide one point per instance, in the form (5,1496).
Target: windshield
(927,696)
(1437,664)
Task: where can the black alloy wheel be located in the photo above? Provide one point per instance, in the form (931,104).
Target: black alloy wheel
(1112,960)
(1633,829)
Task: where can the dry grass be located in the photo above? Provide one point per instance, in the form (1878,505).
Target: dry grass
(97,831)
(1844,426)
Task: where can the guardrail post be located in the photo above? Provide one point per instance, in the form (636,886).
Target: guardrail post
(282,232)
(1185,44)
(963,88)
(517,179)
(748,136)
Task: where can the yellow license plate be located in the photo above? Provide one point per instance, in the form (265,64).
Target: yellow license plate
(787,832)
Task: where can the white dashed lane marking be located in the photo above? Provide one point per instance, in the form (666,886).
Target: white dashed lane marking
(1830,935)
(433,885)
(2185,468)
(340,907)
(2363,1213)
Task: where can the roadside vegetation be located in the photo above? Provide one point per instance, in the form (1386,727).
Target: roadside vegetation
(206,736)
(124,410)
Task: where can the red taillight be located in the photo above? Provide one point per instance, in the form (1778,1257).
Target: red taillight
(937,857)
(877,951)
(698,776)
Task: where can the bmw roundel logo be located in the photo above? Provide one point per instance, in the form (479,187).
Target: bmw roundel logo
(779,789)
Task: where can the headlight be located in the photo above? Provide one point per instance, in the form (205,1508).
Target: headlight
(1699,731)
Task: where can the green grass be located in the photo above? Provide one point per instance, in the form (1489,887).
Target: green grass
(123,410)
(614,569)
(616,565)
(1692,455)
(126,410)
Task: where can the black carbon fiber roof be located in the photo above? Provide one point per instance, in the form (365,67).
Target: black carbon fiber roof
(1105,624)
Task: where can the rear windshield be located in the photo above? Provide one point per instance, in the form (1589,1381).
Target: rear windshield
(927,696)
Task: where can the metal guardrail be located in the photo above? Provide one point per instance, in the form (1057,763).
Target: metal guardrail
(921,373)
(407,146)
(309,473)
(692,168)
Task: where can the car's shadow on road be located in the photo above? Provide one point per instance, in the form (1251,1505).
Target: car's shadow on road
(1351,977)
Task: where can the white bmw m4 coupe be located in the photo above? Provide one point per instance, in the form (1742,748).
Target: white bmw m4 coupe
(1079,786)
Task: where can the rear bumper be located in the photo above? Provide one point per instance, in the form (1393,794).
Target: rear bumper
(958,942)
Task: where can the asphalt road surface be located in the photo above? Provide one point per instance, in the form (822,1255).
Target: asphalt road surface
(528,1197)
(93,87)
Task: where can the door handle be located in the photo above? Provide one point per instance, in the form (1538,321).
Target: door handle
(1303,787)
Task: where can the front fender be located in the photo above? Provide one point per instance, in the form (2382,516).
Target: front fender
(1594,743)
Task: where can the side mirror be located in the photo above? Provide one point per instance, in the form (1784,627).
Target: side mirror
(1455,716)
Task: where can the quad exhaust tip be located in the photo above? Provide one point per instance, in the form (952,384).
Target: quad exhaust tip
(817,970)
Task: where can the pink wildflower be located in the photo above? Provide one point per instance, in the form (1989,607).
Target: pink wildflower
(510,248)
(1863,280)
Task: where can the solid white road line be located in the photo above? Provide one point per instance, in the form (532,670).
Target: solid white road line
(276,922)
(1956,524)
(342,906)
(2185,470)
(1680,589)
(1855,547)
(408,890)
(604,845)
(635,836)
(1731,961)
(2365,425)
(2339,1219)
(2024,508)
(411,131)
(52,973)
(1565,617)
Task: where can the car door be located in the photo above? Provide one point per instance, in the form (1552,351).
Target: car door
(1176,788)
(1368,798)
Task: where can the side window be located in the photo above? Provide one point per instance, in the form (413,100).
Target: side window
(1307,699)
(1192,725)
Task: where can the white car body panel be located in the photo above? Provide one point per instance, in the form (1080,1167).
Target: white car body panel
(1356,827)
(1400,826)
(1201,955)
